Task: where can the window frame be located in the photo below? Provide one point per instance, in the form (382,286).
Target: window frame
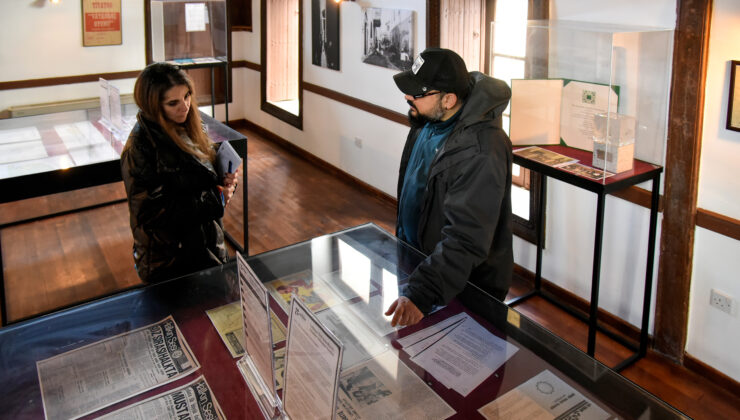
(265,105)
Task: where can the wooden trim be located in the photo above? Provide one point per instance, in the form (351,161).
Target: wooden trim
(246,64)
(607,319)
(712,374)
(313,159)
(718,223)
(357,103)
(639,196)
(66,80)
(681,177)
(433,36)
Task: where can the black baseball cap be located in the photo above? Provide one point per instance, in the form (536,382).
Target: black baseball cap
(435,68)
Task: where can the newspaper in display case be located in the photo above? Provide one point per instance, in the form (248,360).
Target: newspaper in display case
(310,288)
(313,360)
(229,324)
(258,365)
(385,388)
(193,401)
(100,374)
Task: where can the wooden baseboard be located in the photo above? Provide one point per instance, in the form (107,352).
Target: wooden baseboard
(606,319)
(322,164)
(712,374)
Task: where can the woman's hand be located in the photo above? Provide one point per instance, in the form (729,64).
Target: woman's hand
(230,183)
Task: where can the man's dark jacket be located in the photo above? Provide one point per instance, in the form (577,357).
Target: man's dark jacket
(174,204)
(465,225)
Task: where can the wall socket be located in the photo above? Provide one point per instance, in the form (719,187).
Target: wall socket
(722,301)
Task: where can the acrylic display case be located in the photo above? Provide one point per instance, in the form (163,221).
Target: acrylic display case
(188,31)
(353,275)
(568,73)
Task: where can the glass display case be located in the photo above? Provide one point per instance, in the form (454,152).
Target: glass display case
(188,31)
(596,87)
(347,278)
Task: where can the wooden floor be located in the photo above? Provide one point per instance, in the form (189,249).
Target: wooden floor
(68,259)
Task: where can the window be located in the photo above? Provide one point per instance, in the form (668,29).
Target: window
(468,32)
(281,80)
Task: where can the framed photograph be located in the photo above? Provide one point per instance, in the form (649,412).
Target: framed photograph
(325,33)
(388,37)
(101,22)
(733,106)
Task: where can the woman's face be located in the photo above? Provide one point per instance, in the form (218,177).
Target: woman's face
(176,104)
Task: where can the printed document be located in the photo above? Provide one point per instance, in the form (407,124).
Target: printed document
(313,360)
(463,355)
(193,401)
(384,388)
(543,397)
(97,375)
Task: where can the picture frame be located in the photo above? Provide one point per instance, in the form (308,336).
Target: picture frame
(101,23)
(733,104)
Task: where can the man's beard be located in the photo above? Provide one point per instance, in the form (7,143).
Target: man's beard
(436,114)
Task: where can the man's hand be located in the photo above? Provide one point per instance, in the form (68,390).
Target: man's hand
(404,312)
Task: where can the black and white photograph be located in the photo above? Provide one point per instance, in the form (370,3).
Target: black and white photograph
(388,36)
(325,33)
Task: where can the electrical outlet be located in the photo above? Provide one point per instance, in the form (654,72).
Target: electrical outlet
(721,301)
(358,142)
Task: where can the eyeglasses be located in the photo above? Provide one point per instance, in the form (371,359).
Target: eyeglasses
(421,95)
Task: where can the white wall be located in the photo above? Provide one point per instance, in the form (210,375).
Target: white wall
(330,128)
(46,41)
(713,335)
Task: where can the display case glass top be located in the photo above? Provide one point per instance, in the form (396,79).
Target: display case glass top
(189,32)
(348,278)
(601,88)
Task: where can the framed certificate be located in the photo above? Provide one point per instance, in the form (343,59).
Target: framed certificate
(733,106)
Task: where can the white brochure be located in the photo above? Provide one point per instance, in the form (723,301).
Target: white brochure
(194,401)
(543,397)
(462,355)
(100,374)
(313,360)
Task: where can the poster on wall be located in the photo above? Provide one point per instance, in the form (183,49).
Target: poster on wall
(325,33)
(388,36)
(101,22)
(733,107)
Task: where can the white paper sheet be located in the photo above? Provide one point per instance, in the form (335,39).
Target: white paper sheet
(195,17)
(312,363)
(464,355)
(581,101)
(543,397)
(18,152)
(19,134)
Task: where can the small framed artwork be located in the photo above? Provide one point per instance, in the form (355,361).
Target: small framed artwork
(101,22)
(733,106)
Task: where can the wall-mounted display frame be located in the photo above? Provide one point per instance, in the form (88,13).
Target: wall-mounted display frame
(101,22)
(325,33)
(733,104)
(388,38)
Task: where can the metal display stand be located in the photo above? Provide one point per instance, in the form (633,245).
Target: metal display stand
(641,172)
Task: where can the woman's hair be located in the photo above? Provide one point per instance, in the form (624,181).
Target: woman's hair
(149,91)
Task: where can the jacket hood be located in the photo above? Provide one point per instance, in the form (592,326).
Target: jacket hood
(487,100)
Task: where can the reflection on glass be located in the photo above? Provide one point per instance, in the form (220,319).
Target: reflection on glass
(355,270)
(390,290)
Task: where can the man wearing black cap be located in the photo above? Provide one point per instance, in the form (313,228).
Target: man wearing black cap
(454,185)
